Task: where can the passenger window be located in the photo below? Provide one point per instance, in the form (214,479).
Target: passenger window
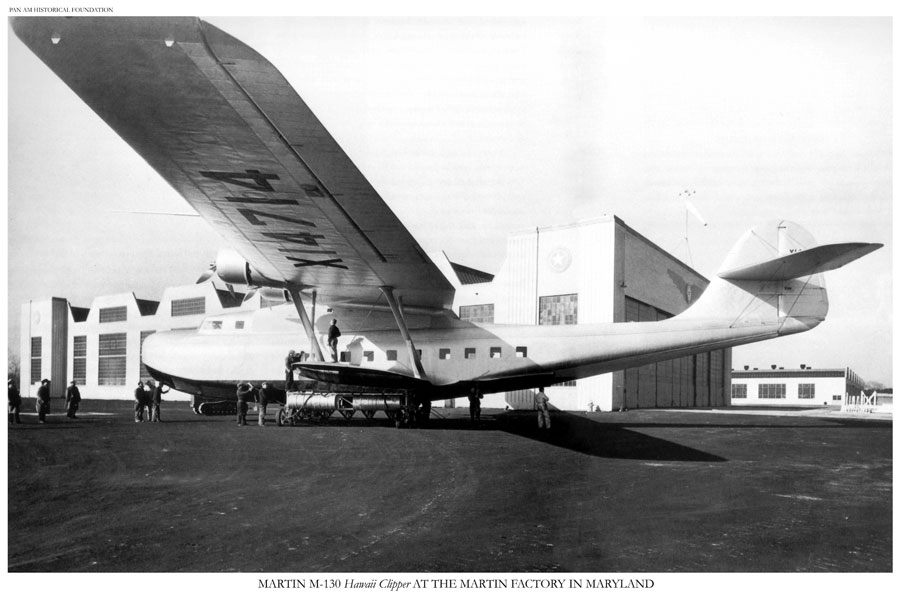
(239,325)
(444,354)
(470,353)
(495,352)
(345,356)
(391,355)
(521,351)
(369,355)
(216,324)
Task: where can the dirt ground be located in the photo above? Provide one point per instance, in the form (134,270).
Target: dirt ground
(641,491)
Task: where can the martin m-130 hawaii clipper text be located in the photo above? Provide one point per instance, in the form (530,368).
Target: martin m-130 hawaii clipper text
(223,127)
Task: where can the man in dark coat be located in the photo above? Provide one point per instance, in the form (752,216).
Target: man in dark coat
(333,334)
(42,406)
(140,399)
(266,395)
(15,402)
(73,398)
(244,395)
(288,370)
(156,393)
(475,404)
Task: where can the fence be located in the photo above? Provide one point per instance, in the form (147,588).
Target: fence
(874,403)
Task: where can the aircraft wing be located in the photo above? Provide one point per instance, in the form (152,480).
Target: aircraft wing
(231,135)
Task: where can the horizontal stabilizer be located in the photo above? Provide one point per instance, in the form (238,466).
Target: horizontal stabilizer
(803,263)
(351,375)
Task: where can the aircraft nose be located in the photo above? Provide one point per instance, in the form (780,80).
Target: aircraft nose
(160,351)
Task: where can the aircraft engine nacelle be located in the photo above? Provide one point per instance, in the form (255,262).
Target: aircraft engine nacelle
(231,268)
(273,294)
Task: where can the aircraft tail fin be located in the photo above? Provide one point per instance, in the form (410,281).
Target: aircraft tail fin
(773,276)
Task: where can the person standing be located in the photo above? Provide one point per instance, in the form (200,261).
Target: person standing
(265,396)
(42,406)
(156,393)
(140,399)
(146,406)
(73,399)
(542,404)
(333,334)
(15,402)
(475,404)
(244,395)
(288,370)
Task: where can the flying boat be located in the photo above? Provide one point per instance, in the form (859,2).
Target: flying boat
(229,133)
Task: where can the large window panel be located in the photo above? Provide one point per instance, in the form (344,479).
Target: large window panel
(189,307)
(79,359)
(480,314)
(772,391)
(558,310)
(112,359)
(37,343)
(113,314)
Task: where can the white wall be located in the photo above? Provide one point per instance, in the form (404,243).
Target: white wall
(826,388)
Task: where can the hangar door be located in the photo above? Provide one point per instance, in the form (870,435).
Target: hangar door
(692,381)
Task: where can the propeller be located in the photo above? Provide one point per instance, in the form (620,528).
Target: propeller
(231,269)
(209,273)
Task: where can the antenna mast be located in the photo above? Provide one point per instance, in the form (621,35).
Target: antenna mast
(689,208)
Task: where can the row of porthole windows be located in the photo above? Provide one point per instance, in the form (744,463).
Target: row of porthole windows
(444,354)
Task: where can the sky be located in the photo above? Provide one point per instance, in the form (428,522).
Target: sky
(472,128)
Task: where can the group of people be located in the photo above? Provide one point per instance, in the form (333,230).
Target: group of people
(246,393)
(541,405)
(148,398)
(42,404)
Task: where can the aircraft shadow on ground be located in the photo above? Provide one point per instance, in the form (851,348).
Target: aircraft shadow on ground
(600,439)
(569,431)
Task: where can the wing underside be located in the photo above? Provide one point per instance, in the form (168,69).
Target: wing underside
(229,133)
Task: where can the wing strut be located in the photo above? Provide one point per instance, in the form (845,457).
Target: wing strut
(307,325)
(418,370)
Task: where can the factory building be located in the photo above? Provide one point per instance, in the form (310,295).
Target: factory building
(593,271)
(100,347)
(777,386)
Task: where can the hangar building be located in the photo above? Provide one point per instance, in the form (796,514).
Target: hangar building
(593,271)
(805,386)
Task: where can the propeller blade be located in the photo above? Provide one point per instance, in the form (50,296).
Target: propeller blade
(206,275)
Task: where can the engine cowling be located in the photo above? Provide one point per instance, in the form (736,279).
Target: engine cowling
(273,294)
(231,268)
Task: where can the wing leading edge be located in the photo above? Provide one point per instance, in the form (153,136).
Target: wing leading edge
(221,125)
